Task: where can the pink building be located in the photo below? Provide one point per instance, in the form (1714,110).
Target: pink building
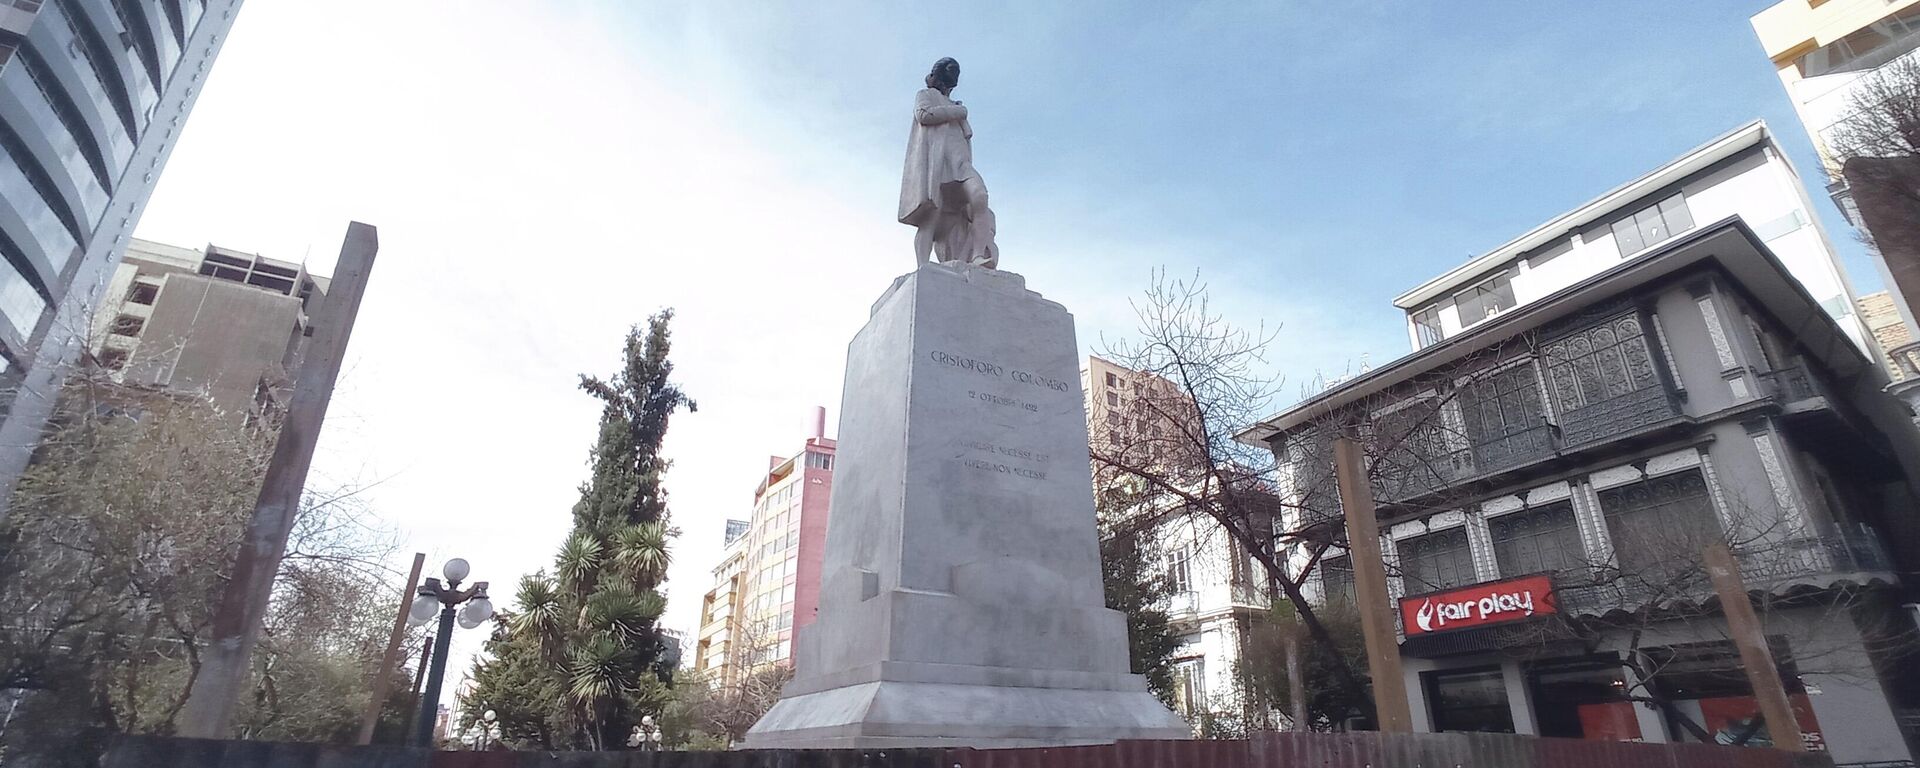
(786,538)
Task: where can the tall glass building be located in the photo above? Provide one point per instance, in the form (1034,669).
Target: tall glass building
(93,94)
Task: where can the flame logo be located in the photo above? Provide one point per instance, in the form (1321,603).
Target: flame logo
(1424,616)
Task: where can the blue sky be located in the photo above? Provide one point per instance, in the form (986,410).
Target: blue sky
(1320,156)
(546,174)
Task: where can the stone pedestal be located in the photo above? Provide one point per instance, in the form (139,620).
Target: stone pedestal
(961,602)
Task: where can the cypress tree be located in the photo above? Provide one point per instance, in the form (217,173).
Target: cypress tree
(578,662)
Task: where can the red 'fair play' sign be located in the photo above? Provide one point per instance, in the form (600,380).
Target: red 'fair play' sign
(1495,602)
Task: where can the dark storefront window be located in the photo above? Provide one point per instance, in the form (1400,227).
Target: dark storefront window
(1542,540)
(1436,561)
(1583,699)
(1469,700)
(1707,684)
(1659,528)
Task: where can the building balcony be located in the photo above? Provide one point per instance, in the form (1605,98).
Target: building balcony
(1906,358)
(1795,387)
(1806,562)
(1247,595)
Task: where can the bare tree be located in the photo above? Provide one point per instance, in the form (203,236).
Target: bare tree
(716,707)
(1875,147)
(1174,440)
(1882,118)
(106,585)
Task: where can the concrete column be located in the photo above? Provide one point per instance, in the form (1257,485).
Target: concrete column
(1653,725)
(1519,698)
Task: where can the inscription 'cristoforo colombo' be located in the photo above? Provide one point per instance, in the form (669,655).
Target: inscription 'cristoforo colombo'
(998,371)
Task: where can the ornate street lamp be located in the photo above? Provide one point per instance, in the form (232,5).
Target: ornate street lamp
(646,735)
(446,599)
(488,722)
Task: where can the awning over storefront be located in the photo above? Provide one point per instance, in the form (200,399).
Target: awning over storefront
(1504,637)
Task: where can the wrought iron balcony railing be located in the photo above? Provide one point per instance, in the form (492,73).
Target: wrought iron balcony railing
(1807,559)
(1793,383)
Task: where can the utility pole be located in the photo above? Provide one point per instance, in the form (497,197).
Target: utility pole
(236,621)
(1743,625)
(1391,711)
(392,656)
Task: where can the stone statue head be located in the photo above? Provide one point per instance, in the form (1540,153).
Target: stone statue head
(945,75)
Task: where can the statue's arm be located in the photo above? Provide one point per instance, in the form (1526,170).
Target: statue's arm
(929,112)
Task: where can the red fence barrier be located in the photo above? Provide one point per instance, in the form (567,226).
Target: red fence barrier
(1277,750)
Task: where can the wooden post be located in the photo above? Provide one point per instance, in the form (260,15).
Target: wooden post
(1296,686)
(243,605)
(1391,711)
(1751,640)
(379,683)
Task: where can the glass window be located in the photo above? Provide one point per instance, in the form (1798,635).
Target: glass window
(1652,225)
(19,301)
(1485,300)
(1436,561)
(1472,700)
(1659,527)
(1543,540)
(48,220)
(1179,570)
(1426,326)
(1410,449)
(1867,48)
(1503,417)
(1336,578)
(143,293)
(1189,687)
(820,461)
(1598,364)
(1112,380)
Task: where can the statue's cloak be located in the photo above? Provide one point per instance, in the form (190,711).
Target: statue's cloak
(939,157)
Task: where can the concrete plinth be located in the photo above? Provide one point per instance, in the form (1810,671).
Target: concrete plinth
(961,601)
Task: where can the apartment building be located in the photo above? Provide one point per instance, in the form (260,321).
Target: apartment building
(212,321)
(768,584)
(1217,588)
(1833,57)
(93,94)
(1882,317)
(720,608)
(1586,409)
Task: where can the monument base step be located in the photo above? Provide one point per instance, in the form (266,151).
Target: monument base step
(891,713)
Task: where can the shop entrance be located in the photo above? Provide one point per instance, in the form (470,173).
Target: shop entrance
(1583,698)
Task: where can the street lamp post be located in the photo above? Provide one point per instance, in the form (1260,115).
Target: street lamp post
(446,599)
